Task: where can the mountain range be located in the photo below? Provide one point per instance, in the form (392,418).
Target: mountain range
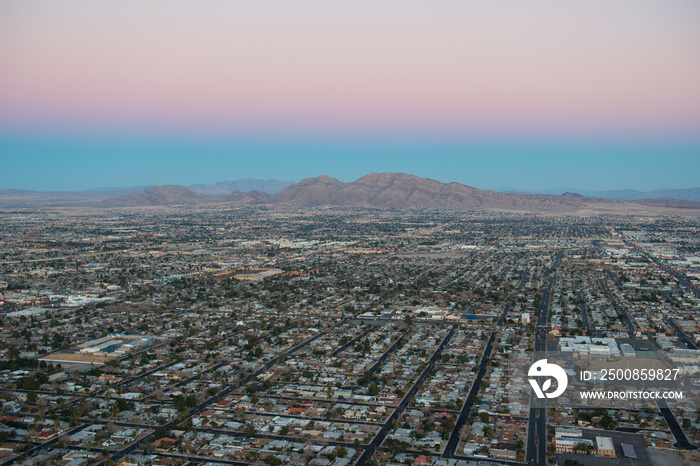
(161,196)
(377,190)
(396,190)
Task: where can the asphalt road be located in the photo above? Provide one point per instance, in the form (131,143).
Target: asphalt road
(537,425)
(682,440)
(464,414)
(584,310)
(381,435)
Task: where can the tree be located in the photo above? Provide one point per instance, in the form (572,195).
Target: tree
(249,430)
(395,445)
(13,352)
(608,422)
(373,389)
(121,405)
(583,448)
(179,403)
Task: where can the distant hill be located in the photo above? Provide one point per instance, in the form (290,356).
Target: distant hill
(240,197)
(311,192)
(165,195)
(259,190)
(690,194)
(24,198)
(672,203)
(245,185)
(172,195)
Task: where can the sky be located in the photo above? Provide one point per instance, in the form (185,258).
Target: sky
(598,94)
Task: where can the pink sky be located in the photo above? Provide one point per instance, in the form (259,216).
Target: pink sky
(458,67)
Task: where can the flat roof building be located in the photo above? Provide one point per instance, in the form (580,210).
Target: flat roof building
(628,451)
(605,447)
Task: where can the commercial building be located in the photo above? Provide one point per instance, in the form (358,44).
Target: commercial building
(605,447)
